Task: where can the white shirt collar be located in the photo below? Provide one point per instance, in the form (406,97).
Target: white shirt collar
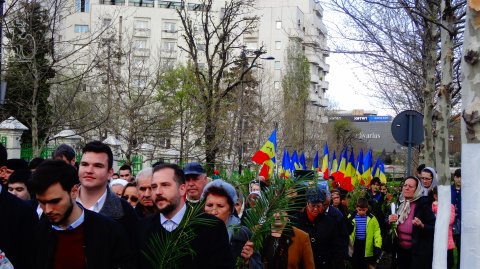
(98,205)
(74,224)
(176,219)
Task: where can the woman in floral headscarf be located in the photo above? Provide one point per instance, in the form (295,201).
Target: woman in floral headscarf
(415,227)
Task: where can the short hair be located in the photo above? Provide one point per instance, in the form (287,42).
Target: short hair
(126,167)
(65,151)
(179,176)
(145,172)
(35,162)
(219,191)
(54,171)
(15,164)
(375,180)
(362,202)
(420,168)
(20,176)
(457,173)
(99,147)
(3,155)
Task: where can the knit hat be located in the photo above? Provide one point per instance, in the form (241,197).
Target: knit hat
(315,196)
(219,183)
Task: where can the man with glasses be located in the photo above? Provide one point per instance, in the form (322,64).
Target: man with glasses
(196,179)
(324,231)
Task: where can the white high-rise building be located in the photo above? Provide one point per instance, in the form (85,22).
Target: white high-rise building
(153,29)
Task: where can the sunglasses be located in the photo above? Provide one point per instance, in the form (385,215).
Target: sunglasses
(131,198)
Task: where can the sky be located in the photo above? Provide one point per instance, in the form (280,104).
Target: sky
(346,80)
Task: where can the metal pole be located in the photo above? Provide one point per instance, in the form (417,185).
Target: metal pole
(410,127)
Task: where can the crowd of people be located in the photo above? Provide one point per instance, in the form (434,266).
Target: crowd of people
(59,214)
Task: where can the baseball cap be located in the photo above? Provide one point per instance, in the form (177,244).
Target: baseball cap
(193,169)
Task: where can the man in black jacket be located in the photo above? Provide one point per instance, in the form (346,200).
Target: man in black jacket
(70,236)
(325,231)
(17,221)
(205,246)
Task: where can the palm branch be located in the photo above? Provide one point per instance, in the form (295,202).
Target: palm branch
(164,250)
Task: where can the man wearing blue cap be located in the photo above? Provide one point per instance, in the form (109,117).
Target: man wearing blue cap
(196,179)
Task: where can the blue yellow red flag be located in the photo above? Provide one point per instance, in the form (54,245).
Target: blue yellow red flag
(325,162)
(334,167)
(295,164)
(267,152)
(383,177)
(303,162)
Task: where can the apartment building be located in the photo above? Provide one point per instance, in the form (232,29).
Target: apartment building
(153,30)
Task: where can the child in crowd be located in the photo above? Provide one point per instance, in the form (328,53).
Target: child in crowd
(366,237)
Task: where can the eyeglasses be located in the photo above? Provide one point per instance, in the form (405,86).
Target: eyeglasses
(131,198)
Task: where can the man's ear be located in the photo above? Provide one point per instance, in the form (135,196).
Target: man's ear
(74,191)
(3,170)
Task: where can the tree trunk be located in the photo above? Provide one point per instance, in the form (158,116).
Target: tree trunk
(471,138)
(210,132)
(442,115)
(34,109)
(430,68)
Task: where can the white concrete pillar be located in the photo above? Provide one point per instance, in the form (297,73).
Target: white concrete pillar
(12,129)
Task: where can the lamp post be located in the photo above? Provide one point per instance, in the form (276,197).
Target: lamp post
(240,125)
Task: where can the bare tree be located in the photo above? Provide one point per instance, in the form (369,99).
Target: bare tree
(212,35)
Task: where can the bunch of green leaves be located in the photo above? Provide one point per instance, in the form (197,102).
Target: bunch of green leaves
(358,191)
(239,181)
(167,249)
(283,195)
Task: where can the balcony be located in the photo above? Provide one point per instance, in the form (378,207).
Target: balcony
(141,52)
(113,2)
(141,3)
(252,34)
(324,85)
(169,34)
(296,33)
(141,32)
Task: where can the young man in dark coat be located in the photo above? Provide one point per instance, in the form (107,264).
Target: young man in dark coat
(209,242)
(17,222)
(94,171)
(70,236)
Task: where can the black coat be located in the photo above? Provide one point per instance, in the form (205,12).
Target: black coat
(17,222)
(422,238)
(326,238)
(210,243)
(106,244)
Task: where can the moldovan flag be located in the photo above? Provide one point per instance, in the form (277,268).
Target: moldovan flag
(266,155)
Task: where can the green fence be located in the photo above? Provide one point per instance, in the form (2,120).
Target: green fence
(3,140)
(136,163)
(26,152)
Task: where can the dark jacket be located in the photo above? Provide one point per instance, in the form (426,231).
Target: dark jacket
(326,238)
(120,210)
(17,222)
(239,238)
(106,244)
(209,242)
(141,212)
(422,238)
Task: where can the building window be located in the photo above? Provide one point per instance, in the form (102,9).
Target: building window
(278,24)
(138,62)
(278,45)
(169,46)
(81,28)
(201,47)
(106,23)
(140,44)
(278,65)
(169,27)
(82,5)
(141,23)
(251,45)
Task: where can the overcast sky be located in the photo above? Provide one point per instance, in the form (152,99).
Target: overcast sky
(346,80)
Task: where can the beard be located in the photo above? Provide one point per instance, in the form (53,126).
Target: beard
(66,215)
(171,206)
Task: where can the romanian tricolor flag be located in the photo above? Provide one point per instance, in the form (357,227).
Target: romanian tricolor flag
(285,169)
(376,168)
(266,155)
(334,167)
(325,163)
(295,164)
(303,162)
(383,177)
(359,168)
(315,162)
(340,173)
(350,173)
(367,167)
